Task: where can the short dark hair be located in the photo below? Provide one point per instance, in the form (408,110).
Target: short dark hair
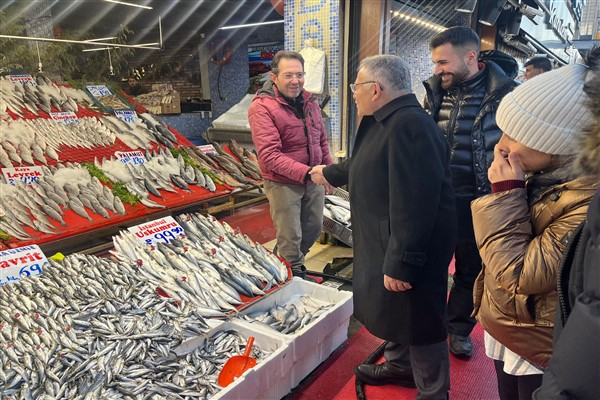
(540,62)
(285,54)
(457,36)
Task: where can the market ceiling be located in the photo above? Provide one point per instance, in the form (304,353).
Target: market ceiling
(102,18)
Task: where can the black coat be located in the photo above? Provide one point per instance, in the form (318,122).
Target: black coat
(472,141)
(574,369)
(403,221)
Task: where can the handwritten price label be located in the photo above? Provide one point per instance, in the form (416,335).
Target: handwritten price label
(23,80)
(127,116)
(21,263)
(158,231)
(131,157)
(28,175)
(65,118)
(98,90)
(208,149)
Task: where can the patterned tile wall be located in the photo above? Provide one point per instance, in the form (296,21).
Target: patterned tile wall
(319,20)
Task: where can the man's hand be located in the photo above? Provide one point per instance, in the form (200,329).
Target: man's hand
(316,174)
(505,168)
(395,285)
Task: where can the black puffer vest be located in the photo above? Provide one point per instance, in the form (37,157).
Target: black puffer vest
(466,114)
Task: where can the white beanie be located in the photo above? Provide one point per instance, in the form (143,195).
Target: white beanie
(547,112)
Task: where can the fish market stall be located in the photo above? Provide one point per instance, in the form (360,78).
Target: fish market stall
(69,168)
(336,216)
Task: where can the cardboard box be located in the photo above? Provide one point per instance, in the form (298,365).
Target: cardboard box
(269,379)
(171,103)
(315,342)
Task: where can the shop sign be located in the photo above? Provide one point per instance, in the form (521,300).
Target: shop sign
(131,157)
(98,90)
(158,231)
(21,263)
(208,149)
(23,80)
(28,175)
(65,118)
(127,116)
(560,20)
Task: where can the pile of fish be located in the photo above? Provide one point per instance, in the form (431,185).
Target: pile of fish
(291,316)
(338,209)
(145,133)
(209,267)
(94,328)
(160,170)
(43,204)
(44,96)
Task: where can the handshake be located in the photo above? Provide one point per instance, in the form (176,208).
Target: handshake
(316,175)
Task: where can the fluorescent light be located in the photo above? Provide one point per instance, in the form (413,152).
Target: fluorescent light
(142,46)
(100,39)
(254,24)
(467,6)
(419,21)
(97,49)
(129,4)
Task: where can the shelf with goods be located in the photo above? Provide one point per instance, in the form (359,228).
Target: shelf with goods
(35,145)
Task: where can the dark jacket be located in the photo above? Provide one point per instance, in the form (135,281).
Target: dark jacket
(472,141)
(287,144)
(403,221)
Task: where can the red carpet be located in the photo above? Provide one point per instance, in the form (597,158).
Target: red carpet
(470,380)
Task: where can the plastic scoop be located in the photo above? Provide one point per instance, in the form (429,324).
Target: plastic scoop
(237,365)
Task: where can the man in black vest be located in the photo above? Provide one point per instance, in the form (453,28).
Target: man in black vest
(462,96)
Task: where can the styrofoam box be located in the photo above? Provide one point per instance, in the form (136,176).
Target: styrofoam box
(269,379)
(316,341)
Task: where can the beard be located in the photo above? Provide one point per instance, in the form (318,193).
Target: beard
(457,77)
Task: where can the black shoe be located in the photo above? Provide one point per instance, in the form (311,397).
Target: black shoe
(384,374)
(302,274)
(461,346)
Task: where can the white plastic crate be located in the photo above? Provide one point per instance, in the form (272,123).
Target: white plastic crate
(316,341)
(269,379)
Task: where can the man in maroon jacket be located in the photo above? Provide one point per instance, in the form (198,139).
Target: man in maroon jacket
(289,135)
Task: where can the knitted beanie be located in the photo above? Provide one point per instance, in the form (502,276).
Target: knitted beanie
(548,112)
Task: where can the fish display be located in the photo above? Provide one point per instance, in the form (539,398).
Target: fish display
(291,316)
(338,209)
(95,328)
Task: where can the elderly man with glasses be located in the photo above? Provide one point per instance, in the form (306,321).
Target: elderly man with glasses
(403,225)
(290,137)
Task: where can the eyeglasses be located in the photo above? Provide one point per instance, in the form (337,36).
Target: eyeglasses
(353,86)
(289,76)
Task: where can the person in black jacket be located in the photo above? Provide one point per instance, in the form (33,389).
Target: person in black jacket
(462,97)
(403,225)
(574,369)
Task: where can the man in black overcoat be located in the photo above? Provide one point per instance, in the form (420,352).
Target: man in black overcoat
(404,227)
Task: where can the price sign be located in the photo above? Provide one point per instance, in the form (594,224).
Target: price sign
(21,263)
(158,231)
(98,90)
(65,118)
(208,149)
(28,175)
(23,80)
(127,116)
(131,157)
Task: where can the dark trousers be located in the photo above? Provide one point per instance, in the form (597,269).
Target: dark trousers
(468,266)
(430,367)
(513,387)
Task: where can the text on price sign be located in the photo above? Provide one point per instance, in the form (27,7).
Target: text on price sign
(158,231)
(21,263)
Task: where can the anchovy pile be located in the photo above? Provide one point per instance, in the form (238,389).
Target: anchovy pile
(291,316)
(210,267)
(93,328)
(42,204)
(338,209)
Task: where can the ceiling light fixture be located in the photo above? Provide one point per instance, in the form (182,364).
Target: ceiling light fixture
(249,25)
(129,4)
(467,6)
(142,46)
(419,21)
